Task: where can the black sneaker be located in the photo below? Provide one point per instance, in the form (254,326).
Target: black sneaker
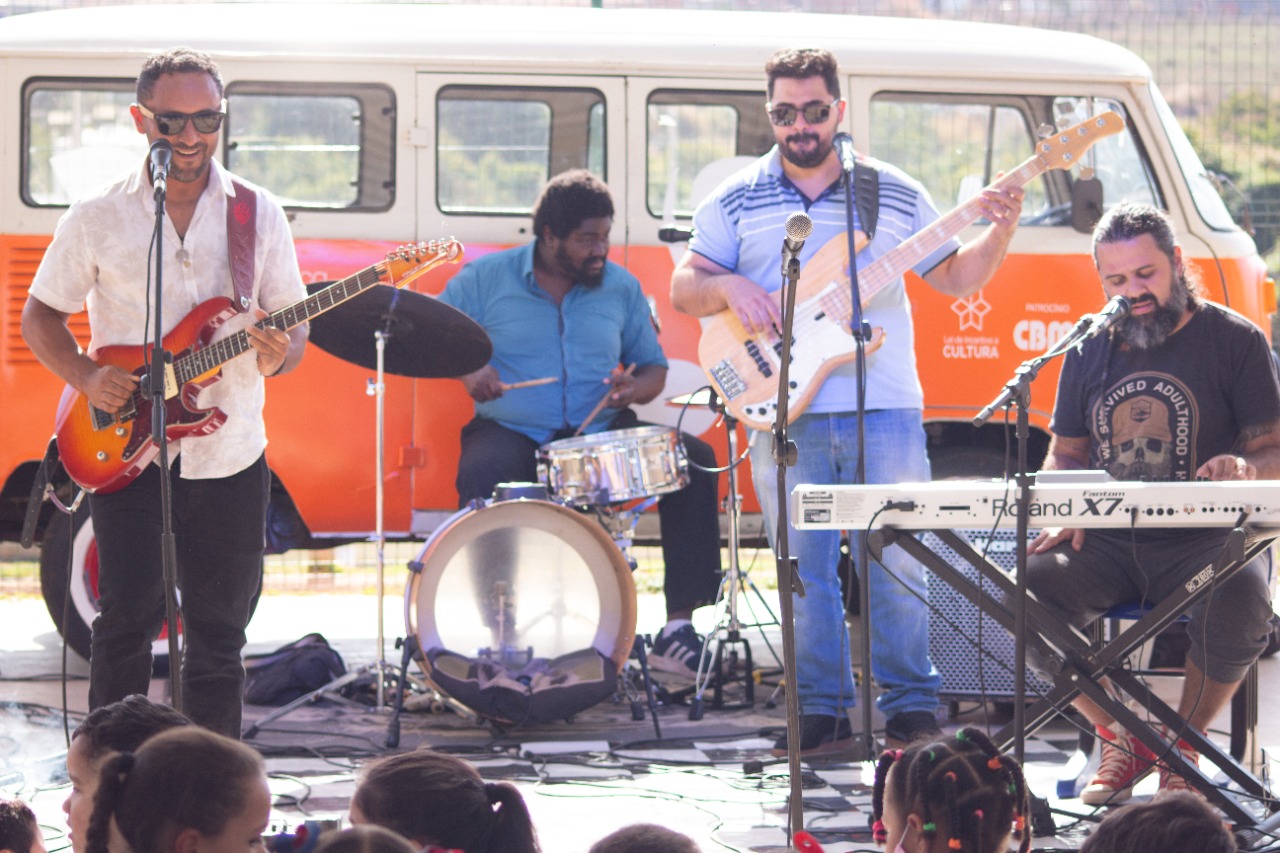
(911,726)
(677,652)
(819,733)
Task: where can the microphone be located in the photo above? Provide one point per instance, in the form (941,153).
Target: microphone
(799,226)
(161,154)
(843,143)
(1117,308)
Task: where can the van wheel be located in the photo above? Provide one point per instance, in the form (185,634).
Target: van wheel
(75,623)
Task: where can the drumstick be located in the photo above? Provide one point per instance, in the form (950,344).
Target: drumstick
(529,383)
(605,399)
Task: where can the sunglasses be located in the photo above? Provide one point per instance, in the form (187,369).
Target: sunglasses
(784,115)
(171,124)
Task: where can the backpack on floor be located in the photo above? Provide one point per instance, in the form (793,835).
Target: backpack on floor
(291,671)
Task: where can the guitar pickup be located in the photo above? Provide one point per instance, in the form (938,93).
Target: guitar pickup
(753,350)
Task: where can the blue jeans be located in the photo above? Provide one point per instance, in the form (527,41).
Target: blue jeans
(827,446)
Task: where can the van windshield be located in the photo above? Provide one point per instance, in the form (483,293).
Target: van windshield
(1203,186)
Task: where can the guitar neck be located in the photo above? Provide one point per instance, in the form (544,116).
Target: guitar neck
(886,269)
(207,358)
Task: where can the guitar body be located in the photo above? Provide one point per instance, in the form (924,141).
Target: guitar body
(104,453)
(745,368)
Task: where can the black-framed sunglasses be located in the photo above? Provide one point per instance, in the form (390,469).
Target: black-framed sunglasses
(171,124)
(784,115)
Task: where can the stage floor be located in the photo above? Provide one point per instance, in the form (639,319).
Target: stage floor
(711,778)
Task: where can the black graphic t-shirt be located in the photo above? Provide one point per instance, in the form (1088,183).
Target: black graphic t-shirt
(1160,414)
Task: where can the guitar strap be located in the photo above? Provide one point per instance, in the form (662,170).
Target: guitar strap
(866,187)
(242,238)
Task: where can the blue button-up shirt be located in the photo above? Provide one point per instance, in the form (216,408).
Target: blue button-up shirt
(579,341)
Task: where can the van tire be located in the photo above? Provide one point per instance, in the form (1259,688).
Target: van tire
(54,562)
(77,628)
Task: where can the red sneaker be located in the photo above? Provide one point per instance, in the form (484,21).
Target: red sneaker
(1125,761)
(1171,781)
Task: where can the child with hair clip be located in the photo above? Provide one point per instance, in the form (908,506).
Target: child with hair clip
(955,794)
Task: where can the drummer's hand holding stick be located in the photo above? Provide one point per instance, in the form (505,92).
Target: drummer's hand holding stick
(483,385)
(620,393)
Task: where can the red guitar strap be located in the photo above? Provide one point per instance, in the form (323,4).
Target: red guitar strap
(242,238)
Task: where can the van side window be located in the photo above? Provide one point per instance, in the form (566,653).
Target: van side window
(76,136)
(956,145)
(314,145)
(687,131)
(496,146)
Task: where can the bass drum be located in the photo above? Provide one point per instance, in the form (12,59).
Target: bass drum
(523,610)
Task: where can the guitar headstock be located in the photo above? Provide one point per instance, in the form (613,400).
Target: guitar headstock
(1062,150)
(407,262)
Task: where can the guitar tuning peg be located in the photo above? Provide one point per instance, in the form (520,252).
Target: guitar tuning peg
(1044,131)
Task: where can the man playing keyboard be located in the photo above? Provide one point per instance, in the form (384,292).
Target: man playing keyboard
(1179,389)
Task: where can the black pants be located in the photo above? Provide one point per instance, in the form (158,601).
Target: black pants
(688,518)
(219,527)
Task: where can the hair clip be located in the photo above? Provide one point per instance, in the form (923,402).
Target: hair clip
(879,833)
(954,844)
(929,828)
(961,736)
(1019,823)
(978,813)
(949,776)
(994,762)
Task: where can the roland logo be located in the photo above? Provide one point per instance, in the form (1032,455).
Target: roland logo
(1097,505)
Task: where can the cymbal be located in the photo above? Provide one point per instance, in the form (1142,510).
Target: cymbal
(426,338)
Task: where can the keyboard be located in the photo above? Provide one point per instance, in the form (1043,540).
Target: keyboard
(1090,503)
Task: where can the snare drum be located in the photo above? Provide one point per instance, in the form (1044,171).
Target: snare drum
(615,466)
(498,588)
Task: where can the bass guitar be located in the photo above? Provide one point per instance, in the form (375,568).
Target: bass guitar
(744,367)
(103,451)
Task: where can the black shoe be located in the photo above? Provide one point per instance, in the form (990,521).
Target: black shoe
(911,726)
(819,733)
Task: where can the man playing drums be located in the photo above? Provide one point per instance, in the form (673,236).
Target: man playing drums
(559,308)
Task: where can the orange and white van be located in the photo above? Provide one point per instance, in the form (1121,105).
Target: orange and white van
(380,125)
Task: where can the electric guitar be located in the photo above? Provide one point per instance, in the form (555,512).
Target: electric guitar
(744,367)
(104,452)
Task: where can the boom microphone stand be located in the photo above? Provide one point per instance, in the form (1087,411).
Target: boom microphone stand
(154,390)
(1017,392)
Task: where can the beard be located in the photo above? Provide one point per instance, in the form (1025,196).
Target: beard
(586,275)
(1152,330)
(805,159)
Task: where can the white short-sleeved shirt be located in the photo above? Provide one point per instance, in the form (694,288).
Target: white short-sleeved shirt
(99,258)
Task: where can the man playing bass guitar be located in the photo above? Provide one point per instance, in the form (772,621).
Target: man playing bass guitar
(732,263)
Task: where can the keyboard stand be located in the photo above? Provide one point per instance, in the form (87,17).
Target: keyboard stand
(1082,663)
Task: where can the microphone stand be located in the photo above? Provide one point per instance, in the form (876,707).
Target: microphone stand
(784,455)
(1017,392)
(857,327)
(154,390)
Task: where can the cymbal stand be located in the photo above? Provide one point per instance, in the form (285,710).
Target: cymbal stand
(728,630)
(377,389)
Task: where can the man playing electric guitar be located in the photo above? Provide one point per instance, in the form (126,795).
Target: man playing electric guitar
(99,258)
(732,263)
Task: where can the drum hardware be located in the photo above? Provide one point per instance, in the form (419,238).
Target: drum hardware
(731,661)
(436,340)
